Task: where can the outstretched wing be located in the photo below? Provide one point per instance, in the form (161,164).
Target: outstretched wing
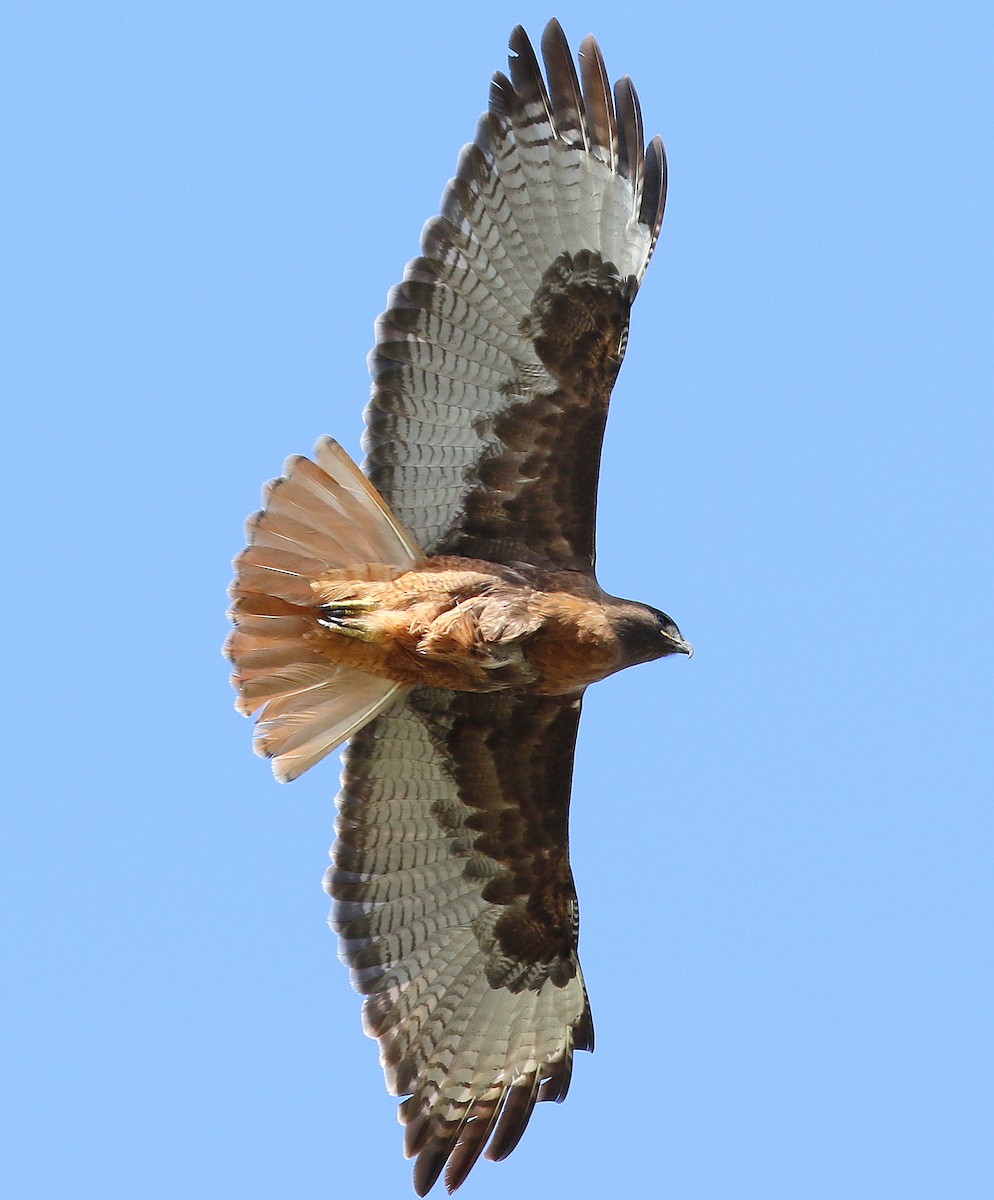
(495,360)
(458,917)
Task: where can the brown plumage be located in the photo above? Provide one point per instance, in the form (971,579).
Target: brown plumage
(448,620)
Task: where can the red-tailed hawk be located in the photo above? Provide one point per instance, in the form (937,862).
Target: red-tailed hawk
(442,611)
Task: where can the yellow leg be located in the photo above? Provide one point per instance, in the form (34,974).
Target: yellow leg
(340,617)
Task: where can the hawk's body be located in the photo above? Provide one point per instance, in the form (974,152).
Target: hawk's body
(474,626)
(449,622)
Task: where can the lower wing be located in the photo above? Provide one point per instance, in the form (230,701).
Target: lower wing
(458,916)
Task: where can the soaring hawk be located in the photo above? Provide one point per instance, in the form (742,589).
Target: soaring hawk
(441,611)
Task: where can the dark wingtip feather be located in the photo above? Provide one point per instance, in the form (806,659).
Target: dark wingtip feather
(475,1135)
(417,1129)
(602,128)
(427,1170)
(519,43)
(526,74)
(630,135)
(501,100)
(433,1156)
(583,1030)
(556,1085)
(564,86)
(654,190)
(514,1117)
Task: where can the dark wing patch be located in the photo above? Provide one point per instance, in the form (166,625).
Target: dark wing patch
(495,360)
(537,484)
(458,916)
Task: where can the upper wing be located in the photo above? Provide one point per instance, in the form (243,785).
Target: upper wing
(458,917)
(495,360)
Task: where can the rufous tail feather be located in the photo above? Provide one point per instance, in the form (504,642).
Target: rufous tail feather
(318,517)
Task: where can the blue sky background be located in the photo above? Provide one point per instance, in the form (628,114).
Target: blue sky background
(783,848)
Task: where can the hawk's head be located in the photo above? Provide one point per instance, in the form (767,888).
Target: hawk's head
(646,633)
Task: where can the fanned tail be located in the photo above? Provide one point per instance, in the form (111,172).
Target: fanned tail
(318,517)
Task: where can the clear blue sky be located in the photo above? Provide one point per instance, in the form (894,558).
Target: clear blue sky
(783,847)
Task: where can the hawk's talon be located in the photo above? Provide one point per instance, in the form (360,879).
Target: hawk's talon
(338,617)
